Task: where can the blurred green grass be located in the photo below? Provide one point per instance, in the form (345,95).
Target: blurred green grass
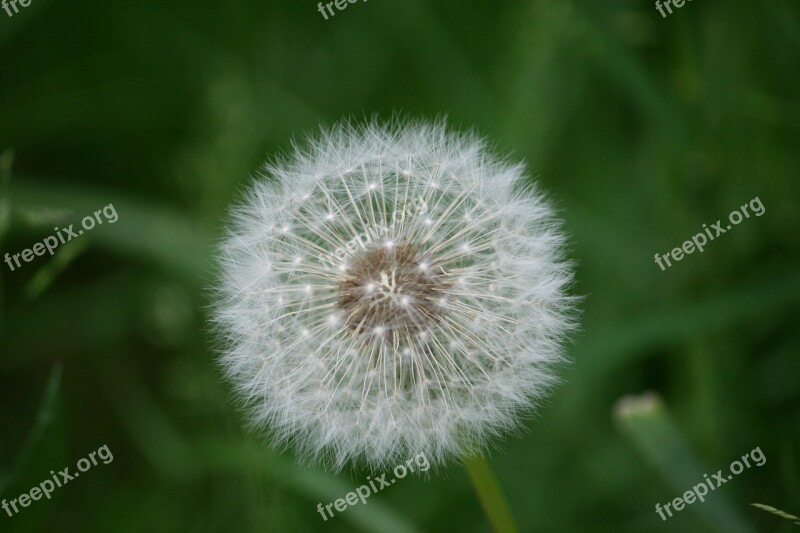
(641,128)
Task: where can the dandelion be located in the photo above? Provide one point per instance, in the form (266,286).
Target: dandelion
(390,291)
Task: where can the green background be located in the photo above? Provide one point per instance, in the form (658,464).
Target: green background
(642,129)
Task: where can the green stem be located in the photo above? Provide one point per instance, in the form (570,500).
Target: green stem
(491,495)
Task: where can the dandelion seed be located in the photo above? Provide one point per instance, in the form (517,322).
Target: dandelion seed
(434,337)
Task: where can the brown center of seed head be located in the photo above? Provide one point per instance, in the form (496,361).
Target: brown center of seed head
(392,292)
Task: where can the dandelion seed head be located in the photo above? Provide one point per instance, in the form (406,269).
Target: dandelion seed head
(392,290)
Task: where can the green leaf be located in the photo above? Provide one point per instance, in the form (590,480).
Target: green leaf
(48,273)
(45,417)
(143,231)
(776,512)
(648,426)
(622,342)
(246,457)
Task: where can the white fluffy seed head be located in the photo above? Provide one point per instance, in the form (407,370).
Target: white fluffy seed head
(389,291)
